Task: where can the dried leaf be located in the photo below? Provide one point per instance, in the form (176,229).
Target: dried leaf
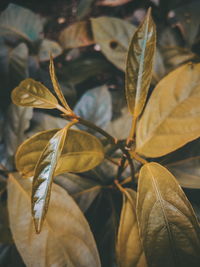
(43,176)
(47,47)
(84,190)
(66,239)
(81,152)
(56,85)
(140,65)
(168,225)
(129,248)
(171,117)
(80,35)
(21,22)
(113,35)
(33,94)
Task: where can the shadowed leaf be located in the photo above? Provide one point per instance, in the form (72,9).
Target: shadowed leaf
(168,226)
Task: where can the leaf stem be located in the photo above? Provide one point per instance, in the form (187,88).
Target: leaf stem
(138,158)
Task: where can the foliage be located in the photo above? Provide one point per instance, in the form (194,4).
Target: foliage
(96,183)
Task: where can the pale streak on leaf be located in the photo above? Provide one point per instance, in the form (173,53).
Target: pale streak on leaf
(171,118)
(31,93)
(66,238)
(139,65)
(81,152)
(43,177)
(129,248)
(56,85)
(168,225)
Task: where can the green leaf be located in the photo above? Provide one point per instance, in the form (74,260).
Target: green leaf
(66,239)
(84,8)
(129,248)
(21,22)
(43,176)
(171,117)
(84,190)
(168,226)
(140,65)
(48,47)
(33,94)
(80,35)
(56,86)
(81,152)
(18,121)
(113,35)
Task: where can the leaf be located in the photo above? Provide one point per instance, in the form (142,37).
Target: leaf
(56,86)
(33,94)
(140,65)
(95,106)
(47,47)
(84,8)
(14,62)
(171,117)
(80,153)
(168,225)
(80,35)
(66,239)
(43,175)
(113,35)
(18,121)
(112,2)
(129,248)
(21,22)
(84,190)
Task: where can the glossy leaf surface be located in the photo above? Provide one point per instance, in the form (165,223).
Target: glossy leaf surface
(80,35)
(168,226)
(129,248)
(81,152)
(171,117)
(66,239)
(56,85)
(139,65)
(43,176)
(113,35)
(34,94)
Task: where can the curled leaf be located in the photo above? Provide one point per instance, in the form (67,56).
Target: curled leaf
(139,65)
(43,176)
(168,225)
(33,94)
(81,152)
(56,85)
(129,248)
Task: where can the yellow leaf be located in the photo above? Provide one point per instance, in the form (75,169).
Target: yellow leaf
(139,66)
(171,117)
(43,176)
(76,35)
(129,249)
(56,85)
(168,226)
(81,152)
(66,239)
(33,94)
